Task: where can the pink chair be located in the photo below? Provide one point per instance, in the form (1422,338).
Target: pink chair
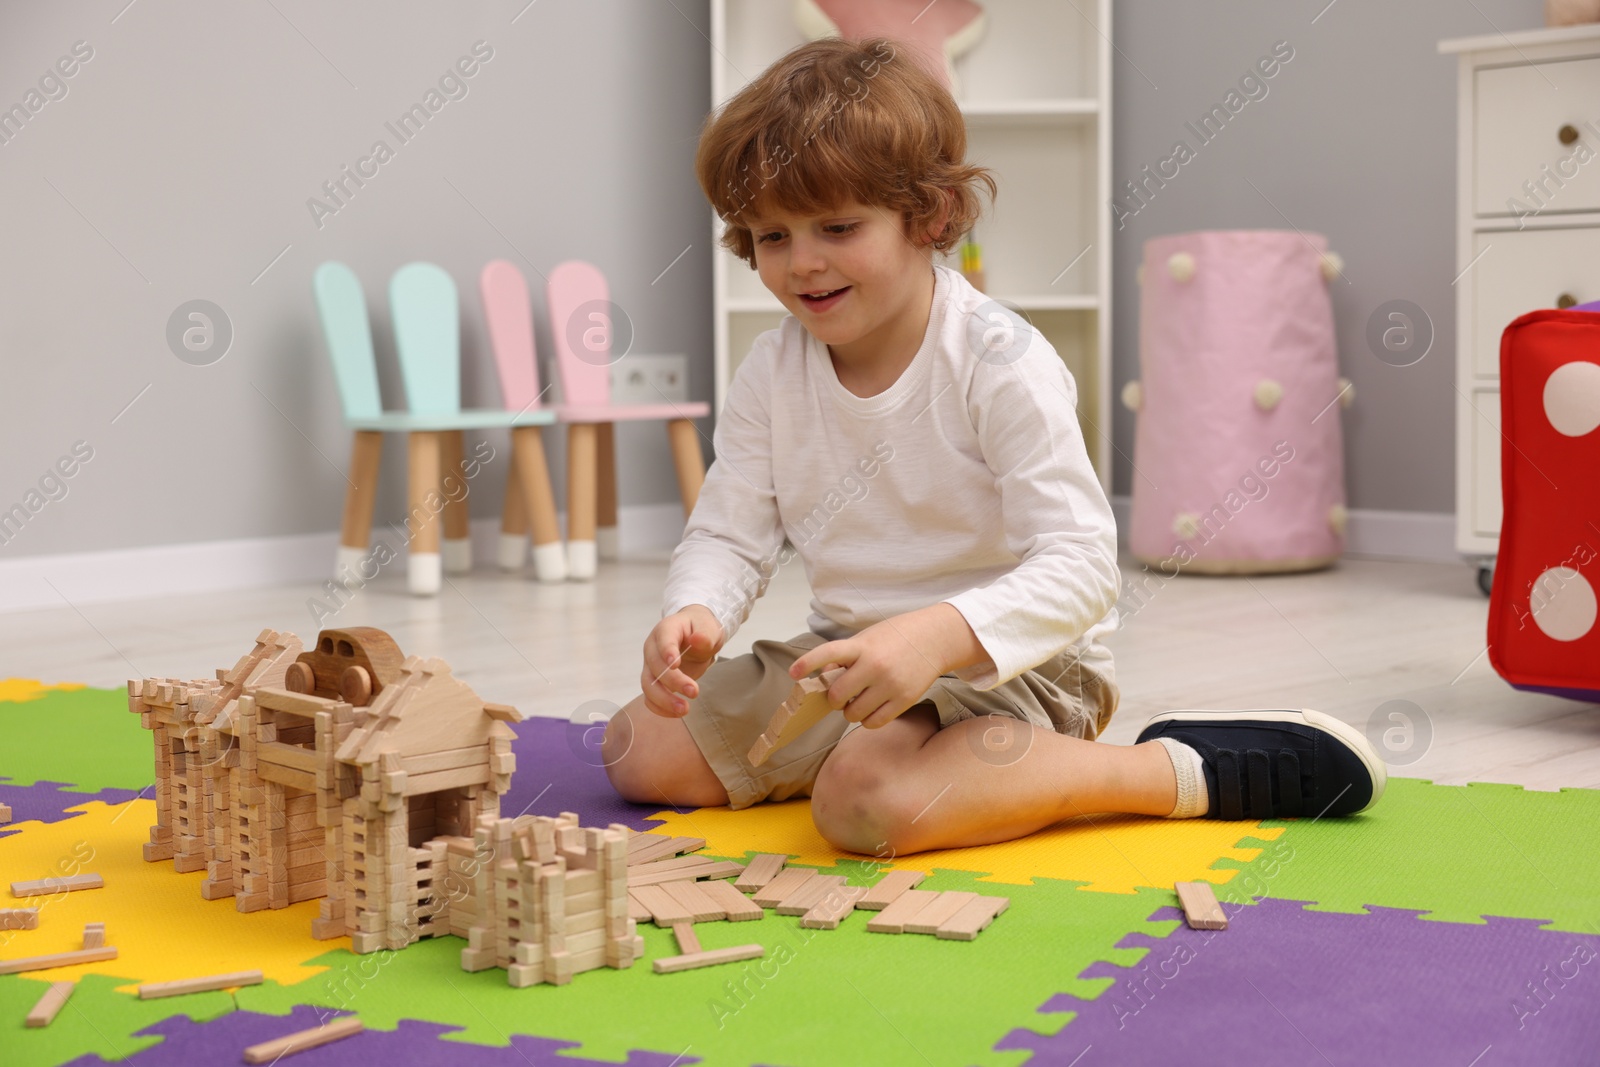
(529,501)
(586,408)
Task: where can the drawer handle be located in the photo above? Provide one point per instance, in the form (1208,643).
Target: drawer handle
(1567,134)
(1566,300)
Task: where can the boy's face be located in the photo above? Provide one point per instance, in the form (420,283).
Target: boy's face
(857,252)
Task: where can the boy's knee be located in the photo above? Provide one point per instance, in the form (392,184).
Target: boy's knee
(624,767)
(856,806)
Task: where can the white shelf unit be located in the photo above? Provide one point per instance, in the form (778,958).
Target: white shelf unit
(1519,96)
(1036,93)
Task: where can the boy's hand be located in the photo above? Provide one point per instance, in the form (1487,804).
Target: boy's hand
(677,652)
(891,664)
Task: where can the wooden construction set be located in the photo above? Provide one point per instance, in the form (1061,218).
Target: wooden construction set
(371,780)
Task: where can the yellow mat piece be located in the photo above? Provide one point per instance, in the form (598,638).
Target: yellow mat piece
(17,690)
(1112,853)
(154,916)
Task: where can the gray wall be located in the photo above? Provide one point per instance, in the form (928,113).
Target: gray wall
(178,165)
(1356,139)
(179,162)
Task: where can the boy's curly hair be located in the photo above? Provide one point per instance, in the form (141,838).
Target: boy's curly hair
(836,120)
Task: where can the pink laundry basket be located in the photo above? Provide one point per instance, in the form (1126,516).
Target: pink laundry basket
(1239,462)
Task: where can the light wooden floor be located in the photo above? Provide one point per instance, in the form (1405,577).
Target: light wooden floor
(1348,641)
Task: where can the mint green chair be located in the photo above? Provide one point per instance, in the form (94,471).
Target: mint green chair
(426,314)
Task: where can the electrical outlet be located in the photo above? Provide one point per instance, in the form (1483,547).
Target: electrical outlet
(644,379)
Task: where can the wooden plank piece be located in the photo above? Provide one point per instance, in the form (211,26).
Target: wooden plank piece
(666,846)
(720,869)
(41,886)
(696,901)
(737,906)
(50,1004)
(1200,908)
(638,910)
(830,911)
(972,919)
(676,863)
(664,910)
(889,888)
(684,934)
(893,919)
(790,879)
(939,912)
(19,918)
(57,959)
(761,870)
(94,935)
(672,964)
(806,896)
(270,1051)
(204,984)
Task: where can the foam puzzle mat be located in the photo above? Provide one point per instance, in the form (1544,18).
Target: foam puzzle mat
(1454,924)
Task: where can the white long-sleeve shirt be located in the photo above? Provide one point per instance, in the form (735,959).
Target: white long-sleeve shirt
(965,481)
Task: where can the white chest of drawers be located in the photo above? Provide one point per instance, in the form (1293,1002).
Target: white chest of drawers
(1527,225)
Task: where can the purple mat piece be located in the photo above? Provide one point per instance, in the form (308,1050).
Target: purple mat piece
(559,769)
(223,1040)
(46,802)
(1285,985)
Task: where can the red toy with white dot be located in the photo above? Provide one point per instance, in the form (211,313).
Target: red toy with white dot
(1542,612)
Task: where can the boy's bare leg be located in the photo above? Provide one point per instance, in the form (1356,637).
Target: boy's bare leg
(651,759)
(910,786)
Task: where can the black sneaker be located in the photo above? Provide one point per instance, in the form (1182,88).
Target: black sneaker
(1277,764)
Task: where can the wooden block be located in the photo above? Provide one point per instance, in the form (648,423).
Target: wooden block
(57,959)
(684,934)
(830,911)
(737,906)
(156,990)
(671,964)
(42,886)
(637,909)
(806,706)
(892,919)
(662,847)
(270,1051)
(676,863)
(889,888)
(5,816)
(1200,908)
(696,901)
(664,910)
(763,869)
(973,918)
(718,869)
(53,1000)
(787,881)
(94,935)
(19,918)
(808,893)
(938,912)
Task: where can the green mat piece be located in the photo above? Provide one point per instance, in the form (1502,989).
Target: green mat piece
(95,1020)
(1456,852)
(819,997)
(104,748)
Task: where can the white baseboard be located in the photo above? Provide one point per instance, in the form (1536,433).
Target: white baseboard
(1420,536)
(54,581)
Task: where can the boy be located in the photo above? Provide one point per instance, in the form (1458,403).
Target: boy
(919,448)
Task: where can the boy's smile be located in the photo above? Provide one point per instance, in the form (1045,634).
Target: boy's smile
(855,281)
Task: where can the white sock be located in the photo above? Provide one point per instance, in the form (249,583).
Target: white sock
(1194,799)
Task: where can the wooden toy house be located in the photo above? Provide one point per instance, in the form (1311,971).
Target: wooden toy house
(341,773)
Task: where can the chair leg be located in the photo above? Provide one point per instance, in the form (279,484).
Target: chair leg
(355,534)
(605,535)
(425,569)
(689,460)
(582,445)
(457,517)
(513,551)
(539,503)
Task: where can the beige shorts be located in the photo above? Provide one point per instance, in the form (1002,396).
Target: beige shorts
(739,694)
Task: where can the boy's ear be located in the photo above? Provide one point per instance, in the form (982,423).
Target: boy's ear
(942,219)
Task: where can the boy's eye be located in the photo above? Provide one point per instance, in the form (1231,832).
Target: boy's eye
(838,229)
